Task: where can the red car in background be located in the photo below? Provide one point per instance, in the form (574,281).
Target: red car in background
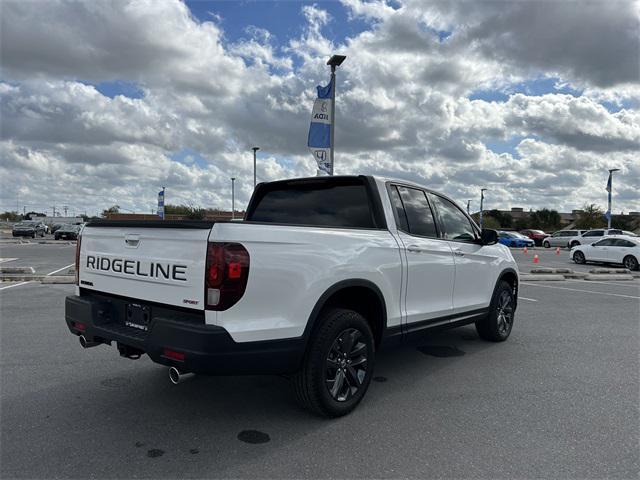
(536,235)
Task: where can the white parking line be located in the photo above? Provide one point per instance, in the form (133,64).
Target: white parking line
(60,269)
(14,285)
(578,290)
(3,260)
(623,283)
(527,299)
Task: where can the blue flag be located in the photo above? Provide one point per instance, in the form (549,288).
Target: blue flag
(161,204)
(319,141)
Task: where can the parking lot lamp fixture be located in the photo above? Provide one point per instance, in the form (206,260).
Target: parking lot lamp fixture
(482,190)
(468,206)
(334,61)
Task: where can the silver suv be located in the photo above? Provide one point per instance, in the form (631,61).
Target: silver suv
(561,238)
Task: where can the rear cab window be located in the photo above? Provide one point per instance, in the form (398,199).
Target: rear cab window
(336,202)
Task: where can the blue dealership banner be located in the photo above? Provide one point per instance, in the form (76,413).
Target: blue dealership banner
(161,204)
(319,141)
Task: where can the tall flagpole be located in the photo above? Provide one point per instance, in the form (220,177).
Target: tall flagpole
(610,188)
(334,61)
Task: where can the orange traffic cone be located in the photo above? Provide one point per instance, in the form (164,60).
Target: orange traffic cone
(535,259)
(558,251)
(525,250)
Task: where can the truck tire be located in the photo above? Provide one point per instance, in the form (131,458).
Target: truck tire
(497,325)
(338,364)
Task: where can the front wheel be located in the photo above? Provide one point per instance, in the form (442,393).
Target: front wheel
(497,325)
(630,262)
(338,365)
(546,245)
(579,258)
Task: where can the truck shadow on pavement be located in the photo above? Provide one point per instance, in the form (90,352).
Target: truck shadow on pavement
(134,422)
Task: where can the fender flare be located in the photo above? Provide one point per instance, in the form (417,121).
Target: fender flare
(336,287)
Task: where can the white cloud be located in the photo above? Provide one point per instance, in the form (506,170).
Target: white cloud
(403,101)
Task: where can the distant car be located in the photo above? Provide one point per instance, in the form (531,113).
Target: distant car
(514,239)
(619,249)
(536,235)
(56,226)
(561,238)
(590,236)
(67,232)
(28,229)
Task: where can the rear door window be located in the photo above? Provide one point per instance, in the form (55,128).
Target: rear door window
(419,215)
(340,203)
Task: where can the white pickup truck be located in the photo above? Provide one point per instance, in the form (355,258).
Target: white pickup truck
(320,274)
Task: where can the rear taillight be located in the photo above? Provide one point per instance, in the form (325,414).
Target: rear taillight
(226,275)
(78,242)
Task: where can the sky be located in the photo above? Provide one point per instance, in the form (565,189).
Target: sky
(105,102)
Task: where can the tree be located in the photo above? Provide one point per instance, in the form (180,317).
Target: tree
(113,209)
(490,222)
(504,220)
(29,215)
(189,211)
(521,223)
(545,219)
(11,216)
(591,216)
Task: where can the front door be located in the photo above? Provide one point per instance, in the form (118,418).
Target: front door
(474,280)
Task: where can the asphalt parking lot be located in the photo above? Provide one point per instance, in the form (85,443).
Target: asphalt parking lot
(559,399)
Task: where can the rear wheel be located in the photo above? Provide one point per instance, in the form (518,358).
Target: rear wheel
(337,368)
(578,257)
(574,244)
(630,262)
(546,244)
(497,325)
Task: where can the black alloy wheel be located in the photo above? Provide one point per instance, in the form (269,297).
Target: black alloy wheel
(496,326)
(346,365)
(505,313)
(338,364)
(578,257)
(630,262)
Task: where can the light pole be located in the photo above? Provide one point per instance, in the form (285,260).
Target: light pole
(255,149)
(233,197)
(611,170)
(482,190)
(334,61)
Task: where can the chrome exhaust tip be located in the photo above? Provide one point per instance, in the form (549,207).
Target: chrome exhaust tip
(176,376)
(84,343)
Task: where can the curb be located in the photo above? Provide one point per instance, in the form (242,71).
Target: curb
(17,270)
(540,277)
(604,276)
(609,270)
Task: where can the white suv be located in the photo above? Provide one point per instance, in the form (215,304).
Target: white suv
(591,236)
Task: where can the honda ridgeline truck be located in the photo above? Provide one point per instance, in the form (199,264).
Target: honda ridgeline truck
(321,273)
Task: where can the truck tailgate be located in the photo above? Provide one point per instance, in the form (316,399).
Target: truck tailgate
(164,265)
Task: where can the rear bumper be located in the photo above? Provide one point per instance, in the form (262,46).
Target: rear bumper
(207,349)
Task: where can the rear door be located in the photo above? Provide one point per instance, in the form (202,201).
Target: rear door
(430,266)
(474,274)
(146,262)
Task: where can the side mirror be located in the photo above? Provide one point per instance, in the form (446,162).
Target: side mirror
(488,237)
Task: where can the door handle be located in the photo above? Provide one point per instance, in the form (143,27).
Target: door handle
(458,253)
(415,249)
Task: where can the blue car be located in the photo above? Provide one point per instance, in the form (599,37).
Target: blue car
(514,239)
